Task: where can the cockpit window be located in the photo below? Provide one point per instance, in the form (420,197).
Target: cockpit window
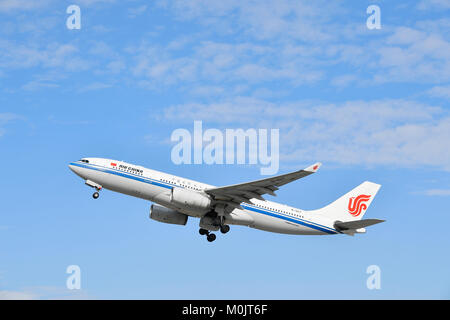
(84,160)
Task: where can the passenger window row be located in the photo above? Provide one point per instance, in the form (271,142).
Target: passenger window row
(281,211)
(130,171)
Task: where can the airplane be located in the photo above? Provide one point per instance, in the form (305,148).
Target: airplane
(175,199)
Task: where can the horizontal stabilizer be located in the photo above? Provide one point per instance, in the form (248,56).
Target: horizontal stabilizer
(357,224)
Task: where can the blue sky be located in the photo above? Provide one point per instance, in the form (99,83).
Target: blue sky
(368,104)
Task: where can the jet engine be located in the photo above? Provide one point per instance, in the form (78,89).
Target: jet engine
(190,199)
(166,215)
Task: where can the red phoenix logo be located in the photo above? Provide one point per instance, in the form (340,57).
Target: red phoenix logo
(357,205)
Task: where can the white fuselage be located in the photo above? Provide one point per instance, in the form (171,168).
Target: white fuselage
(157,186)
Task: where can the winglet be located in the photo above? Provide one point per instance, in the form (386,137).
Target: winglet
(314,167)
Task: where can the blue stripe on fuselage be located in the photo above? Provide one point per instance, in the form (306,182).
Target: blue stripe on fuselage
(299,221)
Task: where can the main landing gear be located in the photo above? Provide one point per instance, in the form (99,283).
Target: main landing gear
(211,236)
(212,221)
(224,228)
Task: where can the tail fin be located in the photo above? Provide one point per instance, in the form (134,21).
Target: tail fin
(353,205)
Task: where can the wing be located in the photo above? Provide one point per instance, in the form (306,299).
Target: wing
(234,195)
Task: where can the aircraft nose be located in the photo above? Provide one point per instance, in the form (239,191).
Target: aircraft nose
(73,168)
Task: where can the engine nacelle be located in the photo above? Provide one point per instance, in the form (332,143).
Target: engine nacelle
(190,199)
(166,215)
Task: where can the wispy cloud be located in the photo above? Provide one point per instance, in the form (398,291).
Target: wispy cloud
(6,118)
(137,11)
(414,55)
(26,5)
(95,86)
(20,5)
(433,4)
(94,2)
(440,92)
(437,192)
(292,43)
(51,55)
(17,295)
(396,132)
(301,20)
(44,293)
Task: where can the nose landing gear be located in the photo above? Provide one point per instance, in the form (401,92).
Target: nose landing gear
(97,187)
(96,194)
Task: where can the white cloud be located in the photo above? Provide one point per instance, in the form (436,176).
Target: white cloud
(50,55)
(44,293)
(292,42)
(419,53)
(38,84)
(5,118)
(433,4)
(17,5)
(26,5)
(208,90)
(438,192)
(95,86)
(396,132)
(437,25)
(93,2)
(100,28)
(440,92)
(412,55)
(344,80)
(295,19)
(17,295)
(217,63)
(48,79)
(134,12)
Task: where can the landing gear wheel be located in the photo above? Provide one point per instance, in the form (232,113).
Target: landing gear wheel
(203,231)
(211,237)
(224,228)
(95,195)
